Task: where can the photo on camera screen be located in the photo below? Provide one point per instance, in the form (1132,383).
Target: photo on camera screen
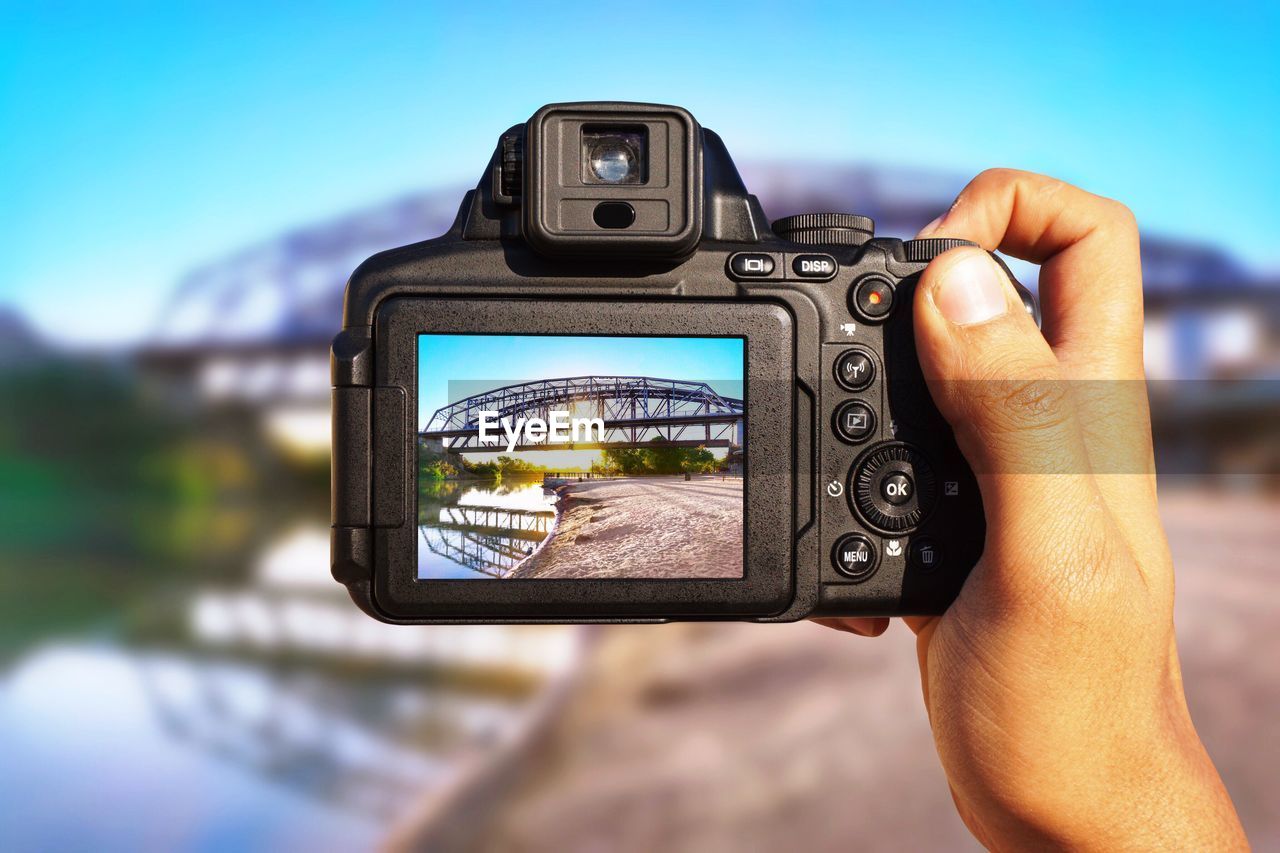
(580,457)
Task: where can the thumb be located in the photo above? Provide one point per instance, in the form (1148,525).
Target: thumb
(997,382)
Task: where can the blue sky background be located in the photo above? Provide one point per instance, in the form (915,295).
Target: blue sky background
(451,367)
(142,139)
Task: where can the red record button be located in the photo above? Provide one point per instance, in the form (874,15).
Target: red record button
(873,298)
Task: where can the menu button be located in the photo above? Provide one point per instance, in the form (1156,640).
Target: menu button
(854,557)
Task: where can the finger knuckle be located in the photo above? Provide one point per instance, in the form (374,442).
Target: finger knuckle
(993,180)
(1120,214)
(1042,401)
(1038,398)
(1000,174)
(1019,425)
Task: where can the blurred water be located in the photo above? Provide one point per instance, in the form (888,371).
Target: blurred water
(261,713)
(99,759)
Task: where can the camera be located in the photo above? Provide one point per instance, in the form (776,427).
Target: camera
(615,392)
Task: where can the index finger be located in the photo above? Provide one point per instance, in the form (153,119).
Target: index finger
(1091,304)
(1091,270)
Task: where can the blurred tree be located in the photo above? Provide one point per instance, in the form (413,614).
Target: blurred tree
(92,484)
(699,460)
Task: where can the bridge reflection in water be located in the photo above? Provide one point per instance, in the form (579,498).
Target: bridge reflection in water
(273,695)
(287,678)
(480,528)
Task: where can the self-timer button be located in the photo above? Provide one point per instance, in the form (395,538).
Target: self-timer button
(854,557)
(872,298)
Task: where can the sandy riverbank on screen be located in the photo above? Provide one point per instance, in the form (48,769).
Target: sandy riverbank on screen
(652,527)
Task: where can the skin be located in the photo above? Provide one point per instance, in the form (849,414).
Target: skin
(1052,683)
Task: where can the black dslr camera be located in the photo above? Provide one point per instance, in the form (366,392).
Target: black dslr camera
(613,392)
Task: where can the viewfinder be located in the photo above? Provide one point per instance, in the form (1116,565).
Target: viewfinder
(615,155)
(612,180)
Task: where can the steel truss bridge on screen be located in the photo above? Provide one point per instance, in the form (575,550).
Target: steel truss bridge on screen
(635,410)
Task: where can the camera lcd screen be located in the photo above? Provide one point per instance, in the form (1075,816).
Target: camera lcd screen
(580,457)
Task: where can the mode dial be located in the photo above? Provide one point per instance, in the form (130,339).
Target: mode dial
(826,229)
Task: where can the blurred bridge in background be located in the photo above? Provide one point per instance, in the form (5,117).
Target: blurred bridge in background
(251,331)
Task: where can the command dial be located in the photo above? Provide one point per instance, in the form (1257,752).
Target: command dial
(892,488)
(826,229)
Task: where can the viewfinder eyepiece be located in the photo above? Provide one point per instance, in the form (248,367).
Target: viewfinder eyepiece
(610,179)
(614,155)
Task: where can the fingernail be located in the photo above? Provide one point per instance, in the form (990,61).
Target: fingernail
(932,226)
(970,291)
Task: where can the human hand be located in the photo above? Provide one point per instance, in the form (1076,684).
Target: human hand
(1052,682)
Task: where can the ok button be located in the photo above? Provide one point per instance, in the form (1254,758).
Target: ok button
(897,488)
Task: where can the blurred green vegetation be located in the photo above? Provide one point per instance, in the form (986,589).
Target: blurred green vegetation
(107,495)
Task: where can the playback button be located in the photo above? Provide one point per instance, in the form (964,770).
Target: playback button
(854,422)
(854,557)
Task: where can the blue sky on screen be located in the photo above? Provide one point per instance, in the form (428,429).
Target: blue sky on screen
(454,366)
(145,139)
